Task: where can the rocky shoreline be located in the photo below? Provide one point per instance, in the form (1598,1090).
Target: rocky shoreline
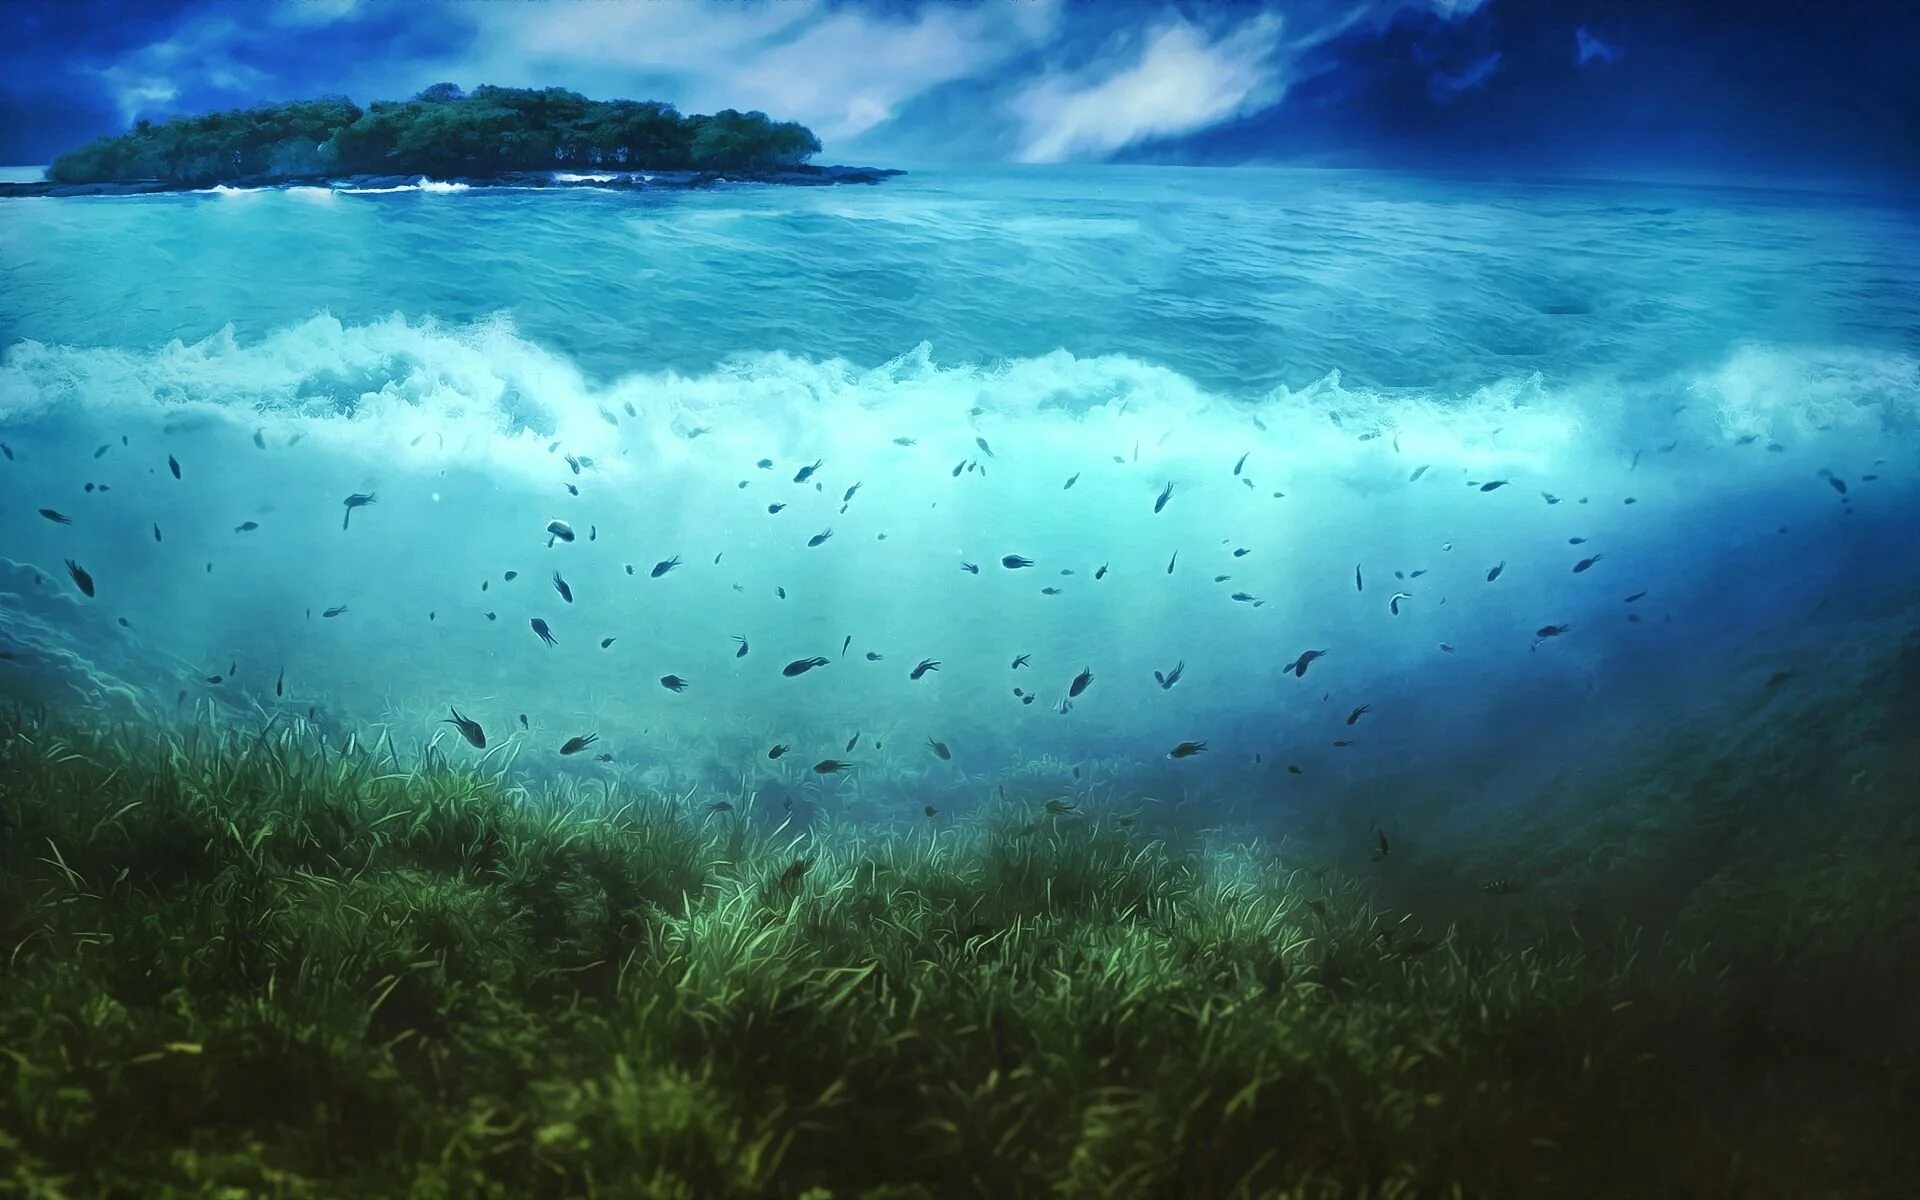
(638,181)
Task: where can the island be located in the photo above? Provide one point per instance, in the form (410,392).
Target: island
(523,137)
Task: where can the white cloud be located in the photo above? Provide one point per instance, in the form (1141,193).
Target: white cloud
(839,71)
(1181,81)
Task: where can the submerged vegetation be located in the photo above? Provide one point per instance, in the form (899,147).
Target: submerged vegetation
(442,132)
(250,962)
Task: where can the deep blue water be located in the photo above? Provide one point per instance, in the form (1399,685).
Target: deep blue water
(1682,379)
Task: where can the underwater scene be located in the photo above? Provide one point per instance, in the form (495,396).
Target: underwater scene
(1091,681)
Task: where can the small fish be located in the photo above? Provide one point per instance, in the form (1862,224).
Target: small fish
(1020,660)
(1241,463)
(1172,677)
(59,518)
(1549,497)
(1417,473)
(1493,485)
(906,441)
(579,742)
(1241,552)
(820,537)
(1632,598)
(800,666)
(1576,541)
(1187,750)
(494,616)
(742,651)
(1221,578)
(1071,480)
(572,490)
(1445,648)
(560,585)
(848,498)
(664,565)
(959,467)
(541,631)
(1246,598)
(1393,601)
(830,766)
(926,664)
(469,729)
(845,642)
(1013,562)
(1359,584)
(362,499)
(940,751)
(1049,591)
(984,448)
(1581,567)
(1061,808)
(970,568)
(510,576)
(673,683)
(1550,631)
(720,806)
(1838,484)
(806,473)
(7,450)
(1495,572)
(874,656)
(1102,572)
(791,877)
(216,679)
(1080,683)
(930,810)
(156,531)
(852,742)
(1164,497)
(765,464)
(173,464)
(607,641)
(81,579)
(523,722)
(1171,561)
(776,751)
(335,611)
(780,592)
(774,508)
(280,683)
(1300,665)
(1353,718)
(1380,846)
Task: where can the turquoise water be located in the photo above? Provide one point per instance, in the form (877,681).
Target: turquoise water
(1683,379)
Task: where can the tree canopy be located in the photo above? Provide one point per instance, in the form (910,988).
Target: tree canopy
(442,131)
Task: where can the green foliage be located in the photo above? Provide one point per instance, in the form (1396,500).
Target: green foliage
(441,131)
(248,963)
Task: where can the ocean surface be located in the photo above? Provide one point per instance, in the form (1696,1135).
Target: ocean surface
(1541,472)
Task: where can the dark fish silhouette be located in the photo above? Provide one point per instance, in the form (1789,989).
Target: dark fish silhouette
(984,448)
(848,498)
(1013,562)
(830,766)
(664,565)
(1838,484)
(1353,718)
(173,464)
(560,585)
(362,499)
(541,631)
(742,651)
(1071,480)
(1187,750)
(607,641)
(280,683)
(926,664)
(58,518)
(800,666)
(776,751)
(576,744)
(1300,665)
(81,579)
(1417,473)
(1172,677)
(1359,584)
(1393,601)
(820,537)
(1495,572)
(940,751)
(1492,485)
(852,742)
(560,531)
(845,642)
(1241,463)
(469,729)
(806,473)
(906,441)
(1171,561)
(1581,567)
(1020,660)
(1102,572)
(1165,496)
(246,527)
(970,568)
(874,656)
(335,611)
(156,531)
(673,683)
(1632,598)
(774,508)
(1080,682)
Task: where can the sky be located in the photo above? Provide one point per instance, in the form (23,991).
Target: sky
(1761,89)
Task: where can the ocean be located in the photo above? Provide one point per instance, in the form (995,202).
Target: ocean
(1122,682)
(1356,385)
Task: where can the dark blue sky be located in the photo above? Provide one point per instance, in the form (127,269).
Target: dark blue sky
(1694,88)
